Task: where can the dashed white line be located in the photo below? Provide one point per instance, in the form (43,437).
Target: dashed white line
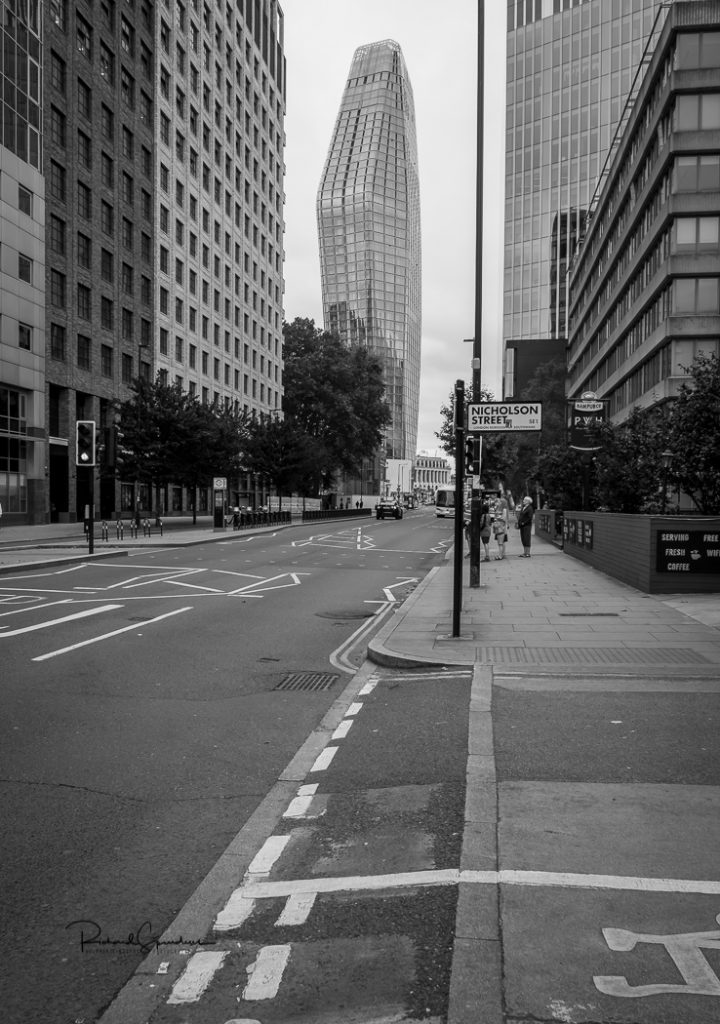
(196,977)
(342,730)
(323,759)
(263,861)
(297,909)
(354,709)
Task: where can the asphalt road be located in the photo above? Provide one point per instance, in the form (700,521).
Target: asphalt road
(149,706)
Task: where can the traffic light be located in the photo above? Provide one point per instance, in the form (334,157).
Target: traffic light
(472,463)
(85,443)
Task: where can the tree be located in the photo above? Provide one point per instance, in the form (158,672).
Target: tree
(167,436)
(628,466)
(334,394)
(287,456)
(499,451)
(694,435)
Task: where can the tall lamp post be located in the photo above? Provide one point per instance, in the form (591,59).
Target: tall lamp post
(665,459)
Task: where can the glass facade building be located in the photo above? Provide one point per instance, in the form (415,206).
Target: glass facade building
(571,65)
(368,211)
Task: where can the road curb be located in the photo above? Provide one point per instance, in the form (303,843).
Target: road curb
(6,570)
(379,654)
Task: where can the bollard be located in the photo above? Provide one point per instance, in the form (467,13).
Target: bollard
(146,527)
(119,529)
(133,528)
(160,524)
(104,530)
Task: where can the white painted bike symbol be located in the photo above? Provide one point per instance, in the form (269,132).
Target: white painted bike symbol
(685,950)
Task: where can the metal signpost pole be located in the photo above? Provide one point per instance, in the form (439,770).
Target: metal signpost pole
(459,487)
(475,503)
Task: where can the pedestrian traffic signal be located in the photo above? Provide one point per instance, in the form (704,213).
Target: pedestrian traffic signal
(472,462)
(85,443)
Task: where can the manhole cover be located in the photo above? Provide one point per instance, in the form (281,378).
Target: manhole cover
(307,681)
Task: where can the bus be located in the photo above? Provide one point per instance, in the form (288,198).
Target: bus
(445,502)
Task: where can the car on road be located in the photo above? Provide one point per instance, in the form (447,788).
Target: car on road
(388,507)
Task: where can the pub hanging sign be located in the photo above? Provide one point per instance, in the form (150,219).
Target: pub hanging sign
(587,413)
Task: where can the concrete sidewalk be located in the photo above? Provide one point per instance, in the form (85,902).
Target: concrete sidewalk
(552,614)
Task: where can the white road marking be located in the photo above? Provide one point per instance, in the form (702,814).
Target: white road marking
(354,709)
(297,909)
(368,688)
(35,607)
(324,758)
(266,973)
(298,807)
(106,636)
(263,861)
(339,658)
(308,790)
(342,730)
(196,977)
(56,622)
(684,949)
(456,876)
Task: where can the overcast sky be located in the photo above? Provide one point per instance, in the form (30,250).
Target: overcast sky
(439,43)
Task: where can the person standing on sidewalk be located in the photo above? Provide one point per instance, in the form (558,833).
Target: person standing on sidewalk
(500,525)
(525,519)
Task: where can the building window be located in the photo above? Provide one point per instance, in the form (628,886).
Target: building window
(127,279)
(58,13)
(56,235)
(57,181)
(84,201)
(107,218)
(106,361)
(163,342)
(57,289)
(107,122)
(25,268)
(107,265)
(84,360)
(57,342)
(127,368)
(127,324)
(127,188)
(83,36)
(107,313)
(696,295)
(695,112)
(178,349)
(107,170)
(107,64)
(84,95)
(84,150)
(25,200)
(58,130)
(25,336)
(83,302)
(128,145)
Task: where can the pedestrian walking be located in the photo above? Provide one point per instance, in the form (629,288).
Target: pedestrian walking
(485,529)
(525,519)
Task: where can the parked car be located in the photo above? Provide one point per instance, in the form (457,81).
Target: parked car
(388,507)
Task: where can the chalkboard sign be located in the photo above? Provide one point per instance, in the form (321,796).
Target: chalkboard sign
(688,551)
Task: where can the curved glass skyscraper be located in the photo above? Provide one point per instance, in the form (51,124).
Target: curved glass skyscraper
(368,211)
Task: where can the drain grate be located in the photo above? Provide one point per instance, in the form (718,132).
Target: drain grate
(591,655)
(307,681)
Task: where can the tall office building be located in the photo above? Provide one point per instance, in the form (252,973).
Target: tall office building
(368,211)
(23,452)
(645,283)
(570,67)
(164,170)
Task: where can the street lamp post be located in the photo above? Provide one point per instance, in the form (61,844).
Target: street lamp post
(665,459)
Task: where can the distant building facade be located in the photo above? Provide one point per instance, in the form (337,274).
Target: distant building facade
(368,212)
(429,473)
(645,286)
(570,66)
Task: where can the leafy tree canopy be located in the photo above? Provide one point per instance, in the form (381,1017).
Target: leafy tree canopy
(334,393)
(694,437)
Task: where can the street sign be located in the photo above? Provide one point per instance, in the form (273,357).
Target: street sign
(220,483)
(504,416)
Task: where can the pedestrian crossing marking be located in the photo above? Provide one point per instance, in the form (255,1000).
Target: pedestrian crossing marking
(194,980)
